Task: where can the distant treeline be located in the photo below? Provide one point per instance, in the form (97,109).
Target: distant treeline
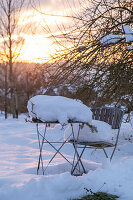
(30,79)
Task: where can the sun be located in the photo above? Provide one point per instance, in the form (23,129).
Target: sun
(37,48)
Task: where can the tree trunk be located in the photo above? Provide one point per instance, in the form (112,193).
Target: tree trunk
(5,91)
(27,85)
(16,104)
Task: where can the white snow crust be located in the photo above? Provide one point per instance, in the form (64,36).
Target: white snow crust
(131,47)
(128,33)
(108,39)
(104,132)
(58,108)
(19,157)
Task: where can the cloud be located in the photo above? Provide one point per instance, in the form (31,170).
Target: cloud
(55,5)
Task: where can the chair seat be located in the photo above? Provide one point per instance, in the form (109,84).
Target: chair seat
(97,144)
(86,139)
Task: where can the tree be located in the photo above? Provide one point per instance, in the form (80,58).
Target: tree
(11,42)
(101,56)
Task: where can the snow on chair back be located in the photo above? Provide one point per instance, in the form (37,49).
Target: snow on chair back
(112,116)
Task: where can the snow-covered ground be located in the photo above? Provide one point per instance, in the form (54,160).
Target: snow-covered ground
(19,157)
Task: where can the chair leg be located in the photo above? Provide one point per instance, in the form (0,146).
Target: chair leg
(40,147)
(77,157)
(105,153)
(77,166)
(78,162)
(115,144)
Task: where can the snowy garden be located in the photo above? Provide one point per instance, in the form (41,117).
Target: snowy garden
(66,100)
(20,151)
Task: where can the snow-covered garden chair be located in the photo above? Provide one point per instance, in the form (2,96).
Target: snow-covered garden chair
(111,119)
(112,116)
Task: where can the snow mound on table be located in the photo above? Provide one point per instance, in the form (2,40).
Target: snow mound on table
(104,132)
(58,108)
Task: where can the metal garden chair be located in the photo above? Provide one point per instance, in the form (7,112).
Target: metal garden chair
(112,116)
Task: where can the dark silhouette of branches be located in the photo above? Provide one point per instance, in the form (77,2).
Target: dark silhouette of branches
(107,67)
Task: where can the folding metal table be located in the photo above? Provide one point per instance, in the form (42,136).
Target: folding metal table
(77,170)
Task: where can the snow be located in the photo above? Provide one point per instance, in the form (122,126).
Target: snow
(108,39)
(19,157)
(104,132)
(81,48)
(131,47)
(58,108)
(128,33)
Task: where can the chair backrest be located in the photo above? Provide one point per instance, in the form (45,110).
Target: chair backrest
(112,116)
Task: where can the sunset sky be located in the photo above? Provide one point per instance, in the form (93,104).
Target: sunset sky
(38,46)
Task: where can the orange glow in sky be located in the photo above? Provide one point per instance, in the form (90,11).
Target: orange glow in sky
(38,46)
(35,29)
